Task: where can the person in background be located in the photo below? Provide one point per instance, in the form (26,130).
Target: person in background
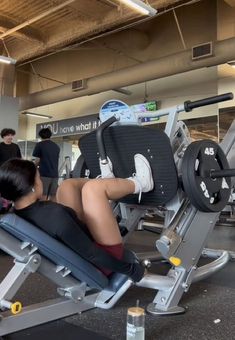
(47,159)
(8,149)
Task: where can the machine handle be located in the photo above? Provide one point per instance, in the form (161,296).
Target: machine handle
(100,136)
(189,106)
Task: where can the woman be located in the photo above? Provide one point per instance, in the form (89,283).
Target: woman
(93,220)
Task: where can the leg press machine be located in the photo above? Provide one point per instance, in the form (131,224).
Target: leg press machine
(190,211)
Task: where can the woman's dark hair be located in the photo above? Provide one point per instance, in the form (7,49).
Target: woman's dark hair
(17,177)
(45,133)
(6,132)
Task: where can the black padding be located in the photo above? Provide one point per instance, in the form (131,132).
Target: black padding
(122,143)
(54,250)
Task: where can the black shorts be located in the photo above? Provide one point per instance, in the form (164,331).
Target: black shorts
(50,186)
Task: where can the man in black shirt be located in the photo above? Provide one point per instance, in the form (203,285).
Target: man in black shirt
(8,149)
(47,157)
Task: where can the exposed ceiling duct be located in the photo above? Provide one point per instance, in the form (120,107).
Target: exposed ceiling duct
(169,65)
(139,40)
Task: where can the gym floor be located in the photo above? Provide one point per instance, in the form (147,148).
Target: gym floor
(209,304)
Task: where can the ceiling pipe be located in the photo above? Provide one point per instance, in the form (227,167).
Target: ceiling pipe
(180,62)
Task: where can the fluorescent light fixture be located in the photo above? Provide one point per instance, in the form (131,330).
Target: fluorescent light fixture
(7,60)
(38,115)
(231,63)
(140,6)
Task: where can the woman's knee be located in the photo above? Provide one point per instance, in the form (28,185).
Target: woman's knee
(93,188)
(67,188)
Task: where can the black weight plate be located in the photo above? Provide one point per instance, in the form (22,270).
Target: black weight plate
(188,168)
(205,193)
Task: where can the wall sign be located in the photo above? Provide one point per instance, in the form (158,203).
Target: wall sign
(127,114)
(119,109)
(70,126)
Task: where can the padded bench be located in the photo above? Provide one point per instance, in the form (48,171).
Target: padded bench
(62,255)
(54,250)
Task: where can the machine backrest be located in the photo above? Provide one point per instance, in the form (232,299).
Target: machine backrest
(54,250)
(121,144)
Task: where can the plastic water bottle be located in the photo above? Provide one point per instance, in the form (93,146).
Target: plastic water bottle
(135,323)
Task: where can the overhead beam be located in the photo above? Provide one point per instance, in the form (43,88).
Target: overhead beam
(38,17)
(24,34)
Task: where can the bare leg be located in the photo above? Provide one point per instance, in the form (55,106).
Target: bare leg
(97,210)
(90,200)
(69,194)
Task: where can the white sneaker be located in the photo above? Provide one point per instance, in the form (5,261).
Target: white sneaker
(106,169)
(142,178)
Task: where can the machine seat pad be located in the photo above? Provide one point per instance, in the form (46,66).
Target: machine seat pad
(121,144)
(54,250)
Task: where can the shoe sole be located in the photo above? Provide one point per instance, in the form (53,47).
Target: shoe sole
(146,162)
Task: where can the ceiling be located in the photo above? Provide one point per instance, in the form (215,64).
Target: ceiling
(30,29)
